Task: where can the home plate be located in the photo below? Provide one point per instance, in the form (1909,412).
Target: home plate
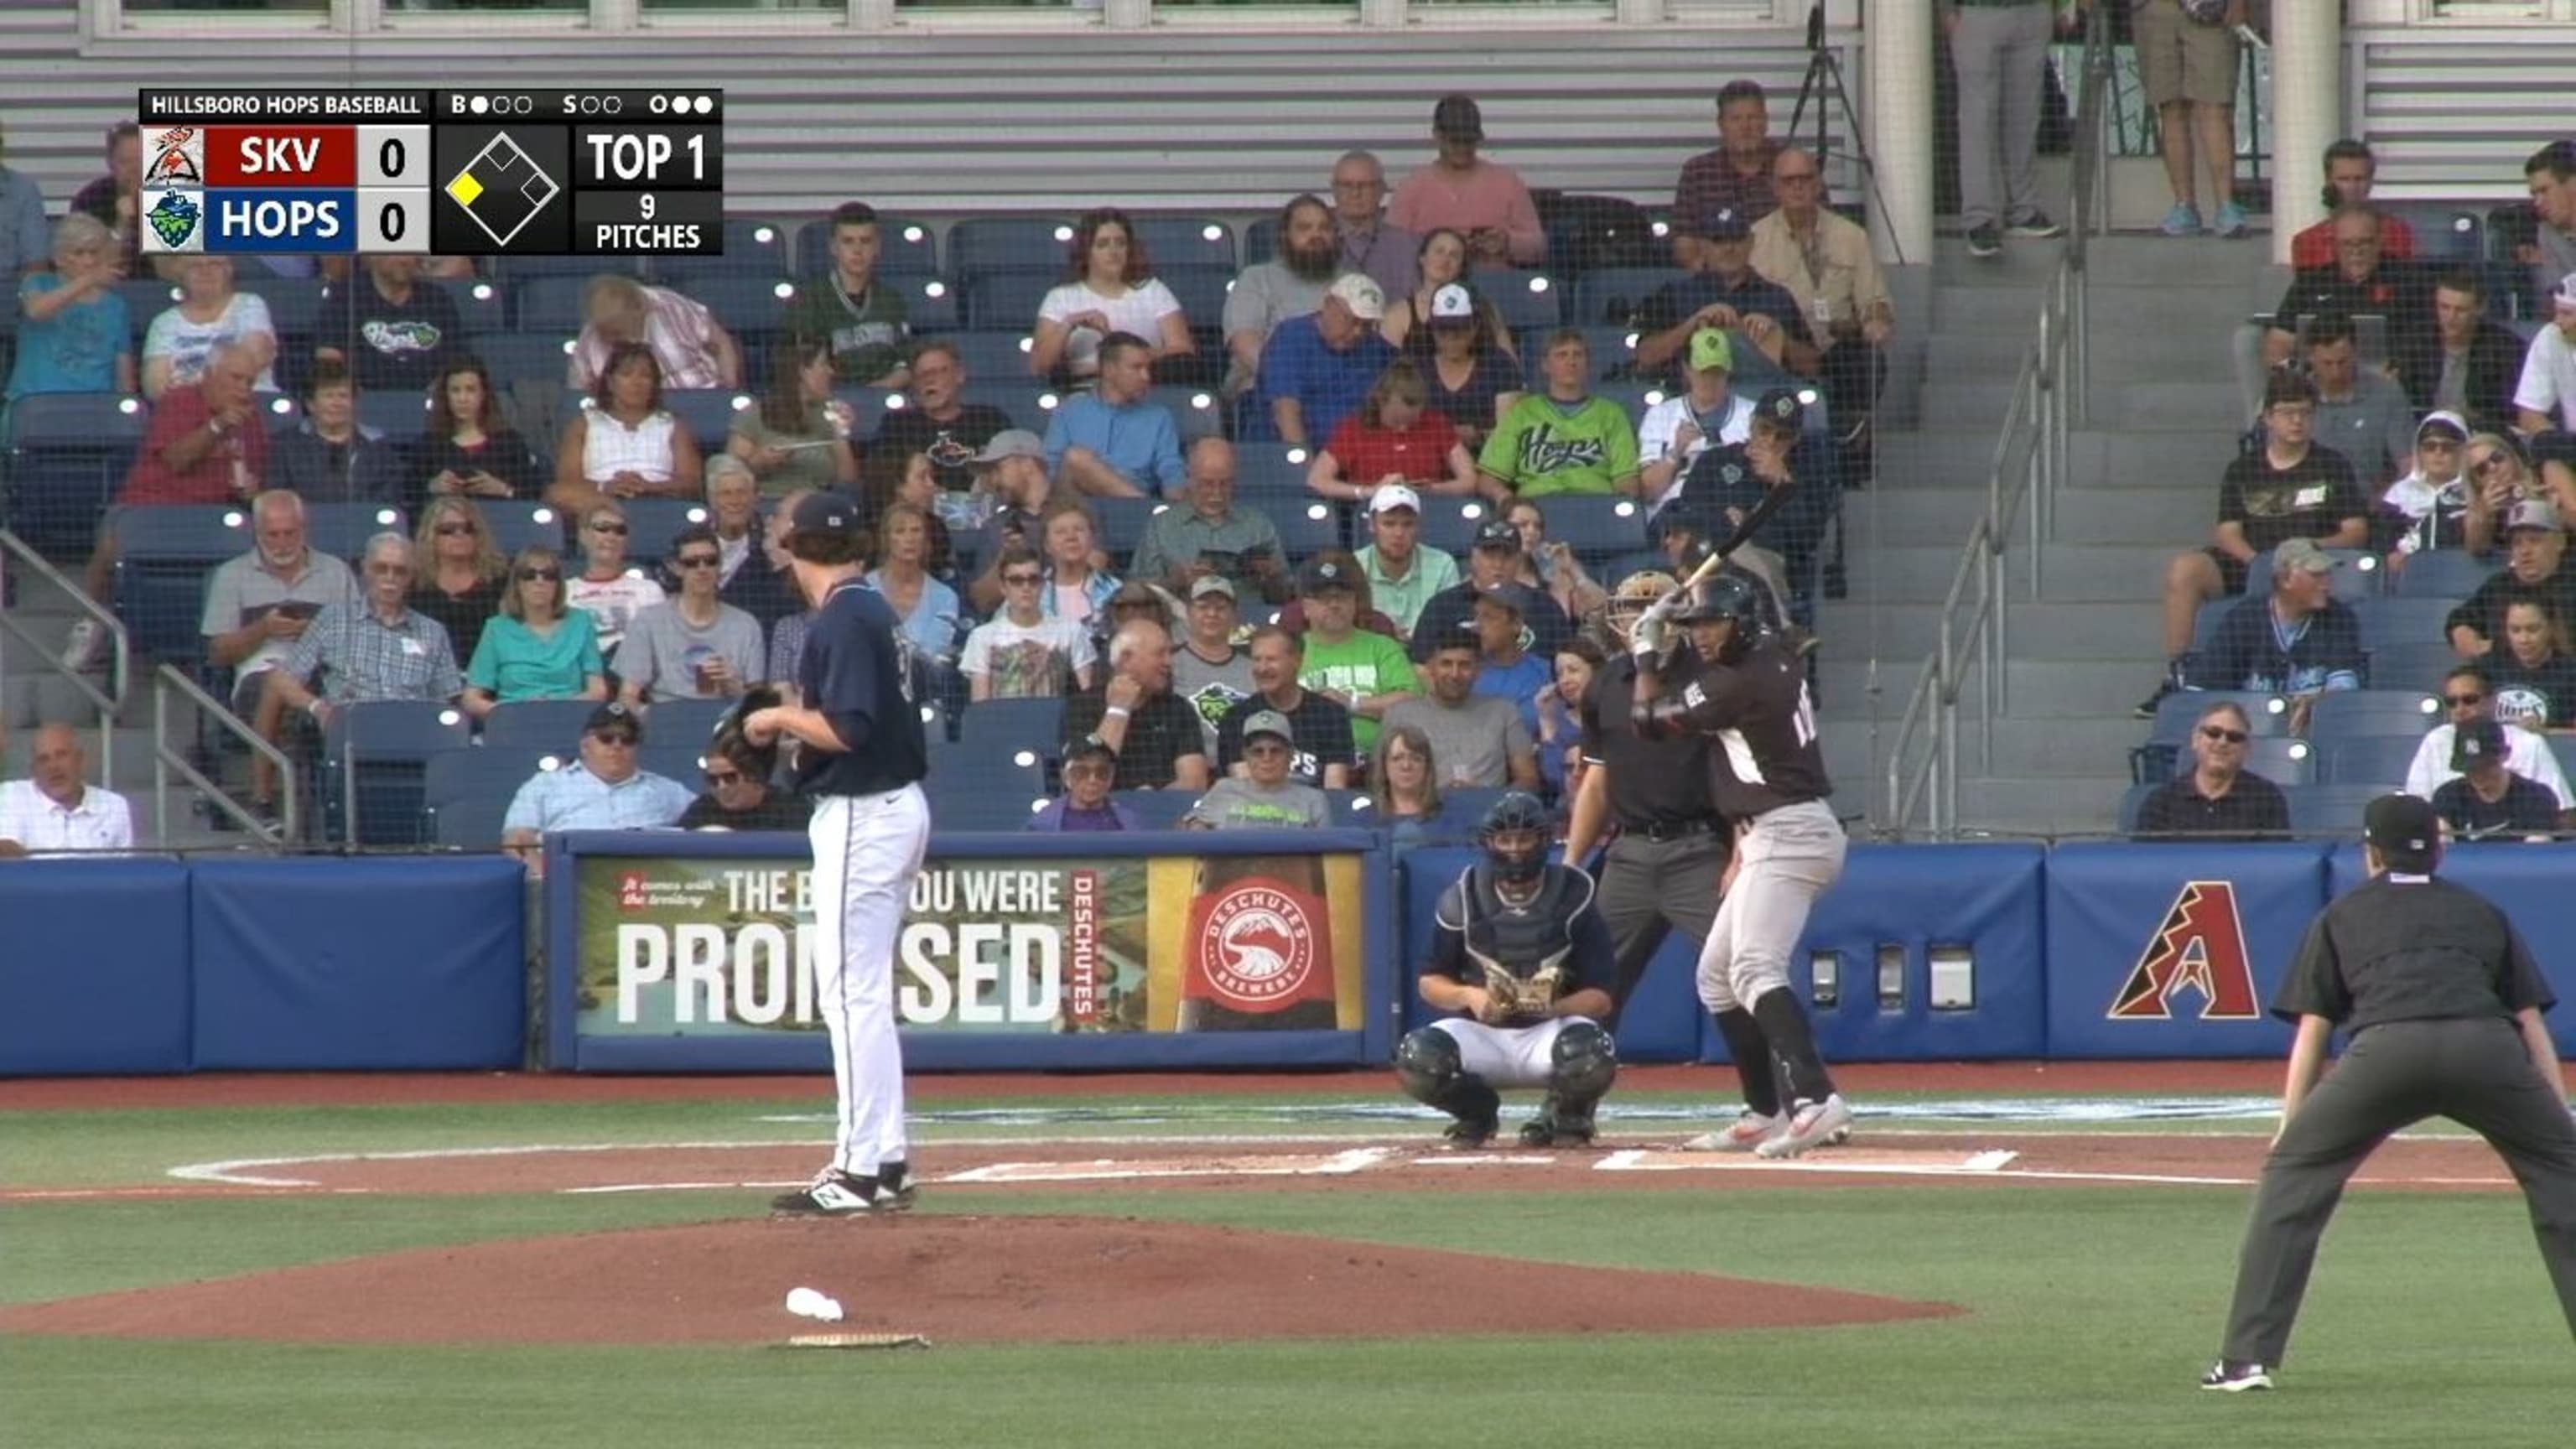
(1109,1169)
(1907,1161)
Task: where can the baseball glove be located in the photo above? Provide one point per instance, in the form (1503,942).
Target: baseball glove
(1521,998)
(729,740)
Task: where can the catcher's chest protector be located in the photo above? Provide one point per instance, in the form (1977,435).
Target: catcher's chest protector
(1528,938)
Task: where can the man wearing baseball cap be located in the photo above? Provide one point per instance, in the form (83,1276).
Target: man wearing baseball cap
(1494,563)
(2295,639)
(604,789)
(2443,1008)
(1316,370)
(1722,291)
(2429,507)
(1357,667)
(2488,800)
(1487,204)
(1403,576)
(2546,396)
(1262,797)
(1710,413)
(2535,571)
(1730,481)
(1090,769)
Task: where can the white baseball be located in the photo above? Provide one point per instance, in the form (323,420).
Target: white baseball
(808,1303)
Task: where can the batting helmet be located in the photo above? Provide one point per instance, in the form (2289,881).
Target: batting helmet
(1518,813)
(1728,597)
(730,740)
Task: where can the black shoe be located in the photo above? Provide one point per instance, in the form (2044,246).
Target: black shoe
(2035,223)
(1468,1133)
(844,1194)
(2147,707)
(1984,241)
(2229,1376)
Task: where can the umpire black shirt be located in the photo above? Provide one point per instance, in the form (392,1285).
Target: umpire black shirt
(1654,784)
(2410,948)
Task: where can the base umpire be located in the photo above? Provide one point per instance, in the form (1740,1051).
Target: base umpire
(2444,1004)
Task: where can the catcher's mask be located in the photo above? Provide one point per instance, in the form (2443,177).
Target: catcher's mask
(759,761)
(1514,837)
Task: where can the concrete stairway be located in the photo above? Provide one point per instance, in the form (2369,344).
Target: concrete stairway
(2143,483)
(31,692)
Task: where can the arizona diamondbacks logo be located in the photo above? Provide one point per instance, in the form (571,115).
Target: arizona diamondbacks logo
(174,219)
(2200,945)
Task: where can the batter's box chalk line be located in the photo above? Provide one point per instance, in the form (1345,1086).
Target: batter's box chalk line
(1902,1162)
(1108,1169)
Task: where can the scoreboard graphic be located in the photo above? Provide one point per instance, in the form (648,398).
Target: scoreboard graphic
(451,173)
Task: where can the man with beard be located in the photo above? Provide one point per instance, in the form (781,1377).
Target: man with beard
(951,432)
(1292,285)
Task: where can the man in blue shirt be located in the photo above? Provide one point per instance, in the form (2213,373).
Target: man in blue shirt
(603,790)
(1722,291)
(860,754)
(1111,443)
(1316,370)
(2296,640)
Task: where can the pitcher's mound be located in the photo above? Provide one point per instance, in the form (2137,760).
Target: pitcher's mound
(955,1280)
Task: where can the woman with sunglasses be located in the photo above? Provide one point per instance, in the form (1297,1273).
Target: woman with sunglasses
(607,588)
(469,447)
(2500,474)
(625,444)
(2533,677)
(539,647)
(461,571)
(2220,800)
(738,798)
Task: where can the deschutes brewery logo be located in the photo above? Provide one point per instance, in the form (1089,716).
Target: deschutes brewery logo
(1257,953)
(1257,946)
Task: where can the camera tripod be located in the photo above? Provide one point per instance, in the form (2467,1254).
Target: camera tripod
(1823,86)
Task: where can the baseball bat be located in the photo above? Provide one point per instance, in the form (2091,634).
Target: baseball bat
(1773,500)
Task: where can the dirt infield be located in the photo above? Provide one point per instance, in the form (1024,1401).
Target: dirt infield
(957,1280)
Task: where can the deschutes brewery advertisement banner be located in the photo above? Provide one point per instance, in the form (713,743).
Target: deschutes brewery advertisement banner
(684,946)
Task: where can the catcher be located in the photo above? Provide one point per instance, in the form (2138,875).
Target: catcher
(1527,963)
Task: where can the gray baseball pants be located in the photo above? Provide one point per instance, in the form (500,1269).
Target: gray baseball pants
(1785,859)
(2391,1077)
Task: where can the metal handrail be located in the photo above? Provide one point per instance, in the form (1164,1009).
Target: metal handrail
(2030,461)
(164,759)
(108,702)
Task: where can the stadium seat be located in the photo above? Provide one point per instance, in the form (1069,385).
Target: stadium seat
(2367,760)
(518,270)
(981,245)
(682,724)
(2443,233)
(1005,301)
(2386,621)
(2278,758)
(553,725)
(1121,525)
(754,246)
(2444,573)
(164,556)
(1261,241)
(1464,810)
(1188,241)
(1610,297)
(995,729)
(473,823)
(1635,397)
(519,523)
(403,417)
(294,307)
(905,248)
(2134,800)
(2411,666)
(1597,528)
(2178,713)
(1613,349)
(1449,524)
(1196,411)
(753,309)
(1025,400)
(1527,299)
(654,522)
(524,357)
(2205,624)
(342,529)
(2330,810)
(548,304)
(2563,749)
(2356,576)
(375,760)
(1306,529)
(467,793)
(145,299)
(929,303)
(1159,809)
(707,412)
(681,761)
(1352,809)
(68,454)
(988,356)
(2354,713)
(281,413)
(1201,292)
(1268,475)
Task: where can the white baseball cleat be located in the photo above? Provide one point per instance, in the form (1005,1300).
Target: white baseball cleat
(1744,1134)
(1810,1125)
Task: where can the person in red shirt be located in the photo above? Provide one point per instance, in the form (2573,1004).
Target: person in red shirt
(206,444)
(1393,438)
(2350,171)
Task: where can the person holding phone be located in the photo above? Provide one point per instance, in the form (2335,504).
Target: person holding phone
(1213,537)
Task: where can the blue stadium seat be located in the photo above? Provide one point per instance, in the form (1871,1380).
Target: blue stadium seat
(1188,241)
(2133,801)
(1613,349)
(2278,758)
(550,725)
(2357,575)
(518,270)
(1159,809)
(1449,524)
(401,416)
(754,246)
(681,761)
(1610,297)
(707,412)
(653,522)
(164,556)
(470,824)
(1005,301)
(1261,241)
(1268,474)
(905,248)
(342,529)
(524,357)
(998,729)
(1306,529)
(145,299)
(2411,666)
(281,413)
(1527,299)
(490,770)
(2444,573)
(1634,398)
(1465,809)
(519,523)
(294,307)
(2205,623)
(68,454)
(375,761)
(753,309)
(1201,293)
(548,303)
(991,356)
(985,244)
(1121,525)
(2330,810)
(1196,411)
(2355,713)
(1597,529)
(930,304)
(2563,748)
(1024,400)
(2443,233)
(682,723)
(2177,714)
(2380,760)
(2386,621)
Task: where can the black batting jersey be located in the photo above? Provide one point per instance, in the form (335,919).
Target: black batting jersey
(1653,783)
(1760,719)
(1473,926)
(857,672)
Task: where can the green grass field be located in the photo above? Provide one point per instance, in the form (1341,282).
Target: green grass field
(2090,1311)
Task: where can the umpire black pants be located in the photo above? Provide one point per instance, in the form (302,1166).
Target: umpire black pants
(2392,1077)
(1650,888)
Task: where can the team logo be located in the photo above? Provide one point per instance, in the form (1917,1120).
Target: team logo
(178,157)
(1258,946)
(2201,945)
(174,219)
(400,339)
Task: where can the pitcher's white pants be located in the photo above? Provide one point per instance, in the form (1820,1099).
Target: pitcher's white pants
(867,849)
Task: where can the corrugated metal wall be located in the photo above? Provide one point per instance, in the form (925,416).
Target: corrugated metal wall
(1217,121)
(2453,117)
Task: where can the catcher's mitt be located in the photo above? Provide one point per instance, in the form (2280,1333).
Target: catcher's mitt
(729,740)
(1520,998)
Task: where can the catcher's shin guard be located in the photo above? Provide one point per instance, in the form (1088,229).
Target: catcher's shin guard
(1583,1063)
(1429,1068)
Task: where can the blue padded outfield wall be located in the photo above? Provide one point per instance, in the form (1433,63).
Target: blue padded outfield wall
(680,953)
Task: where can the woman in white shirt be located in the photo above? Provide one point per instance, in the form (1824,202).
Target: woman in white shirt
(1114,290)
(625,444)
(209,314)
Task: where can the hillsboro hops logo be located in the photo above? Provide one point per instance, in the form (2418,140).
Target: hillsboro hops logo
(1258,946)
(174,219)
(2200,945)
